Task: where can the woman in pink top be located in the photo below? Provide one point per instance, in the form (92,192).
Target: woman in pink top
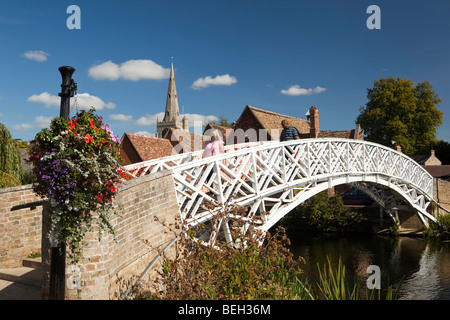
(214,146)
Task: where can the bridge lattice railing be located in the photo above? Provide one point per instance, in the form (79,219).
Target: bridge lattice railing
(248,173)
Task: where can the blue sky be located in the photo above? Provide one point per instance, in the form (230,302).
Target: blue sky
(278,55)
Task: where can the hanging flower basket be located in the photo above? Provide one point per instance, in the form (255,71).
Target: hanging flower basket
(76,169)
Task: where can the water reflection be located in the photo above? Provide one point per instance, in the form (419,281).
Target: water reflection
(423,266)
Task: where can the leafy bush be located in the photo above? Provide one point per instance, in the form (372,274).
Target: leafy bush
(439,231)
(216,269)
(324,214)
(257,267)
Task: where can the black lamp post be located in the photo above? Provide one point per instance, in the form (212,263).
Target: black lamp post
(68,88)
(58,253)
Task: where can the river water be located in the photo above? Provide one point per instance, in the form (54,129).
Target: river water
(423,265)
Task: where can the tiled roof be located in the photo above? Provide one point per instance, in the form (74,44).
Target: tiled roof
(345,134)
(421,158)
(224,130)
(272,120)
(438,171)
(189,141)
(149,147)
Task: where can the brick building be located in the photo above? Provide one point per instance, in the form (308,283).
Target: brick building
(259,119)
(427,159)
(184,141)
(137,148)
(441,175)
(211,127)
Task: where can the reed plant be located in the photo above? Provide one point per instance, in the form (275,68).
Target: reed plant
(334,284)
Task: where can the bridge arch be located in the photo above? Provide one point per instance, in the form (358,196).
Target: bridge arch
(252,174)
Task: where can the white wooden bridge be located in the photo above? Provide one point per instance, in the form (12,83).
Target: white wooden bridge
(273,178)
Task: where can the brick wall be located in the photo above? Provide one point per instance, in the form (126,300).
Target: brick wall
(20,230)
(441,194)
(246,121)
(106,262)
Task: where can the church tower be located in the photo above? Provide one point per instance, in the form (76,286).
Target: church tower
(172,117)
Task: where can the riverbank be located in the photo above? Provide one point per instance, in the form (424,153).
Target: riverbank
(420,266)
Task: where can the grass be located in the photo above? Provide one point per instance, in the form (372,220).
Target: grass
(34,255)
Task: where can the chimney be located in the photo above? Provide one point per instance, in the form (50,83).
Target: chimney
(185,123)
(358,133)
(314,122)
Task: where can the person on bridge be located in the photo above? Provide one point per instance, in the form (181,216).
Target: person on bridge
(288,133)
(214,145)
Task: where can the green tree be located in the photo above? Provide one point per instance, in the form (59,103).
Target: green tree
(322,213)
(10,160)
(223,122)
(400,111)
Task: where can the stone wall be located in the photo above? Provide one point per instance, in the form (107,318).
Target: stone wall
(441,194)
(108,264)
(20,230)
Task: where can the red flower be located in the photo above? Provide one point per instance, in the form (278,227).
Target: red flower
(88,139)
(92,123)
(100,197)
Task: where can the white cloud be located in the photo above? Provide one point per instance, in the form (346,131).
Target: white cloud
(39,121)
(22,127)
(224,80)
(146,133)
(84,101)
(296,90)
(105,71)
(149,119)
(192,118)
(121,117)
(46,98)
(43,122)
(38,55)
(133,70)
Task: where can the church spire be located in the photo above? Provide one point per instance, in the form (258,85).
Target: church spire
(172,111)
(172,118)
